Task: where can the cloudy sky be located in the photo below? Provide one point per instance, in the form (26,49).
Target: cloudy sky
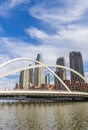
(51,27)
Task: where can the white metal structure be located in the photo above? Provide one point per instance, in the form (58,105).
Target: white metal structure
(43,65)
(37,66)
(23,92)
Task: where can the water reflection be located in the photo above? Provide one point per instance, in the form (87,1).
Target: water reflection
(43,116)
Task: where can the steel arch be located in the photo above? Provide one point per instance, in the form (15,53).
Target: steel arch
(43,65)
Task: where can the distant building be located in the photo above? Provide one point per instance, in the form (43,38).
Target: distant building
(17,86)
(39,72)
(60,72)
(47,79)
(31,77)
(76,63)
(26,79)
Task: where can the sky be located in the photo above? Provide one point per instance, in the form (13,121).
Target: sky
(51,27)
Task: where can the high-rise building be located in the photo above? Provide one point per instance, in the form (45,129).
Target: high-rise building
(26,79)
(76,63)
(60,72)
(39,72)
(16,86)
(47,79)
(31,77)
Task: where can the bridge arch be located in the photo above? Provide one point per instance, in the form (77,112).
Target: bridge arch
(43,65)
(37,66)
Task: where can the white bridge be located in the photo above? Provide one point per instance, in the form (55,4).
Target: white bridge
(58,93)
(39,95)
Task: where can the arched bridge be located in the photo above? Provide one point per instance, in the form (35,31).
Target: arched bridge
(67,93)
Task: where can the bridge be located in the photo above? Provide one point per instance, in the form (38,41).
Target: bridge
(50,94)
(33,95)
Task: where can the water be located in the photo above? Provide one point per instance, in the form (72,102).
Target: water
(43,116)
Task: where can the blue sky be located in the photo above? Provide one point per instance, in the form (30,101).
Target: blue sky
(51,27)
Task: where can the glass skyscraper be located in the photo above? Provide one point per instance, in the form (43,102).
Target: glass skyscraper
(26,78)
(39,72)
(76,63)
(60,72)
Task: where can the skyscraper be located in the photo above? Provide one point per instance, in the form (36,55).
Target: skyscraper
(60,72)
(39,72)
(76,63)
(31,77)
(47,79)
(26,79)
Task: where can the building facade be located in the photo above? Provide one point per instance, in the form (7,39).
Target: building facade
(26,79)
(31,77)
(47,79)
(76,63)
(60,72)
(39,72)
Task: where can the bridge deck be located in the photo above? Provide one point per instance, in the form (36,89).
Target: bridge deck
(42,93)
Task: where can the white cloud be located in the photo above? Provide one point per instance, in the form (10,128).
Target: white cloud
(54,49)
(73,32)
(76,35)
(62,16)
(8,5)
(7,83)
(4,58)
(18,48)
(14,3)
(56,14)
(36,33)
(67,39)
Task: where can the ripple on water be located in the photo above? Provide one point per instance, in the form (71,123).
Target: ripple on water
(43,116)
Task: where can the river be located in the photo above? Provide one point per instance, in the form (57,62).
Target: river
(16,115)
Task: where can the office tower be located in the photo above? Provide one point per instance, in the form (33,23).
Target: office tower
(31,77)
(16,86)
(39,72)
(76,63)
(60,72)
(26,78)
(47,79)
